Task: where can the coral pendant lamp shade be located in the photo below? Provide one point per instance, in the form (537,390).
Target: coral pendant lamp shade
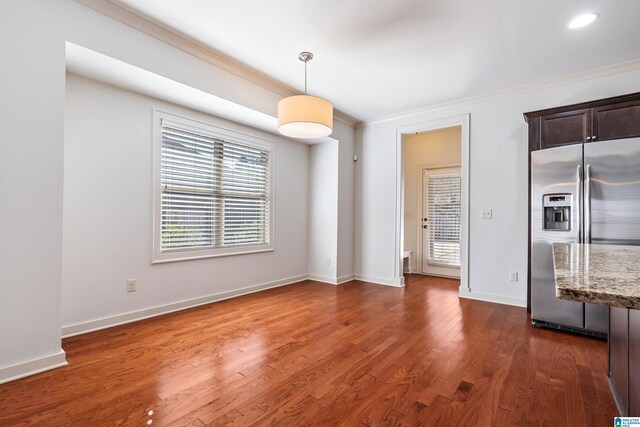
(305,116)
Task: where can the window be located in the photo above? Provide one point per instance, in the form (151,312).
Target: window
(212,191)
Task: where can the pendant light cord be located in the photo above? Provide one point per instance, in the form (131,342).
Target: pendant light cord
(305,77)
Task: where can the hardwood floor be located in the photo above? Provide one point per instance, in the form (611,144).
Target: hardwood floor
(315,354)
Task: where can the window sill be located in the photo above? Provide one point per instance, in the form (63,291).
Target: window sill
(209,253)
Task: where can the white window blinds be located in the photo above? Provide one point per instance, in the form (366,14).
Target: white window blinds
(214,192)
(443,207)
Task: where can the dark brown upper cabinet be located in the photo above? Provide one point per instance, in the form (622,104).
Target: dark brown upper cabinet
(570,127)
(611,118)
(616,121)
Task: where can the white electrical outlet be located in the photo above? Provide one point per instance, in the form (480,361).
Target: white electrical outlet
(513,276)
(328,261)
(131,285)
(486,214)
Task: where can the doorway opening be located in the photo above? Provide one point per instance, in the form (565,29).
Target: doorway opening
(433,203)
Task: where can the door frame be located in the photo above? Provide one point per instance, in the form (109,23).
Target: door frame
(420,208)
(446,122)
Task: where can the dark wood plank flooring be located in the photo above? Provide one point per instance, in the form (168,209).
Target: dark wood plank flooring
(315,354)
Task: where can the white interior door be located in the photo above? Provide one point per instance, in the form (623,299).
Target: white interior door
(440,222)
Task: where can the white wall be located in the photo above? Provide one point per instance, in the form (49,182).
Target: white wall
(331,208)
(107,212)
(32,82)
(323,211)
(434,148)
(31,116)
(346,202)
(498,181)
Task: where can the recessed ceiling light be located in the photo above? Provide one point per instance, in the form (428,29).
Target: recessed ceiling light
(583,20)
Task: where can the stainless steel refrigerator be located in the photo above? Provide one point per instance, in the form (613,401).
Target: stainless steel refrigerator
(586,193)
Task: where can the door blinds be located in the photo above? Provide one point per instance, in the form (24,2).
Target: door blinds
(215,193)
(443,207)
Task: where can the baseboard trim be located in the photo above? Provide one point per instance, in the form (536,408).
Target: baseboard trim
(32,367)
(120,319)
(344,279)
(499,299)
(331,280)
(397,282)
(324,279)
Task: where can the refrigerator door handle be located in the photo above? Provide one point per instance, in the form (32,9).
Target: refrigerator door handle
(587,204)
(579,201)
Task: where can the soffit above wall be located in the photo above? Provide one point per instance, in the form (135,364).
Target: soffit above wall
(88,63)
(196,48)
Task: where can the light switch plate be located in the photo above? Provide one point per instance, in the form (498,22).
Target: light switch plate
(486,214)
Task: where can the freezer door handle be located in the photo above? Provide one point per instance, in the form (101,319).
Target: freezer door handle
(587,204)
(579,201)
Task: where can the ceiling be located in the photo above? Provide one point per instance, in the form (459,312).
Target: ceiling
(376,58)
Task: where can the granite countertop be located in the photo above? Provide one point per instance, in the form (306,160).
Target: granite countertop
(598,274)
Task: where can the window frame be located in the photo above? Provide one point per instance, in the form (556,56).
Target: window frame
(158,256)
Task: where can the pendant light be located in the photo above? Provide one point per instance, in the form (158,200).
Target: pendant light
(305,116)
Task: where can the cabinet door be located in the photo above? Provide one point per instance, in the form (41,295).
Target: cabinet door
(619,357)
(570,127)
(634,363)
(617,121)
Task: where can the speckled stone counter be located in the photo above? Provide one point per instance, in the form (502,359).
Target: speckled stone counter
(598,274)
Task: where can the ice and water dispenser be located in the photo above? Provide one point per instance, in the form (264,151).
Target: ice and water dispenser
(557,211)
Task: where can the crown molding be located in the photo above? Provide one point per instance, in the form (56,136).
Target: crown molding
(126,15)
(517,90)
(345,118)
